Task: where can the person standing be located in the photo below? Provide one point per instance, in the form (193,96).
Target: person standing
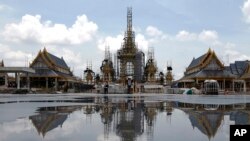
(129,85)
(106,87)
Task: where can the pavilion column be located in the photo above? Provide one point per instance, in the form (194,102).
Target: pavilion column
(224,84)
(244,86)
(18,80)
(6,80)
(47,83)
(16,77)
(233,85)
(28,81)
(56,84)
(73,86)
(184,84)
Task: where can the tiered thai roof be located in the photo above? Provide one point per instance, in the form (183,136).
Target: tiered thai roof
(202,61)
(195,62)
(207,66)
(51,60)
(58,61)
(52,66)
(240,68)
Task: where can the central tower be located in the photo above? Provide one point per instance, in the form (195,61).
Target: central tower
(130,60)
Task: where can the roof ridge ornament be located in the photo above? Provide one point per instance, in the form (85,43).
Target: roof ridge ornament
(209,50)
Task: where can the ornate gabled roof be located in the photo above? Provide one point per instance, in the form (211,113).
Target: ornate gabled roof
(58,61)
(51,60)
(204,60)
(195,62)
(55,60)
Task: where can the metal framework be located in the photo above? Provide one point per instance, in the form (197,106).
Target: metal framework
(130,60)
(151,68)
(107,68)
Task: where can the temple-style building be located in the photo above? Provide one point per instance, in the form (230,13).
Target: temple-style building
(235,77)
(169,75)
(150,68)
(131,60)
(207,66)
(89,75)
(52,72)
(107,68)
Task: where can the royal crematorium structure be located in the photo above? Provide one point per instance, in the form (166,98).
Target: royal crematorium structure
(131,61)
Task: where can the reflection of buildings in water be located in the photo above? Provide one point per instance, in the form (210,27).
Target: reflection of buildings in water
(127,117)
(151,111)
(150,116)
(207,122)
(106,111)
(240,117)
(130,123)
(88,109)
(206,118)
(50,118)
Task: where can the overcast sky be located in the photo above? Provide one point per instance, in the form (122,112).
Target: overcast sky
(78,30)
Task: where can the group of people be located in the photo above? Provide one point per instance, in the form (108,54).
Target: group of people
(129,85)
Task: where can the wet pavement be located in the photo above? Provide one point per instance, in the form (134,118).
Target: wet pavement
(115,117)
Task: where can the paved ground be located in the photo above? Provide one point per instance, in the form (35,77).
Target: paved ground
(198,99)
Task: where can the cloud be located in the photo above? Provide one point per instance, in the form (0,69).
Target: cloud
(14,57)
(208,36)
(142,42)
(154,35)
(153,31)
(246,10)
(17,127)
(111,137)
(31,29)
(4,7)
(235,55)
(115,43)
(186,36)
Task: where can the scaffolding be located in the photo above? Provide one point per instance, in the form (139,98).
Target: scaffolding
(107,68)
(151,67)
(130,61)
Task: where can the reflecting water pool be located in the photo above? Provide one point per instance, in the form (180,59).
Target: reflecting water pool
(115,118)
